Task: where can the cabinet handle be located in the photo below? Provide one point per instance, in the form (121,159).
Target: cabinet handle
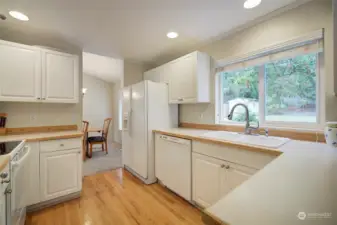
(43,98)
(38,98)
(180,99)
(62,145)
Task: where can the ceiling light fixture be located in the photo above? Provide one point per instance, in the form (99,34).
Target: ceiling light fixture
(249,4)
(18,15)
(172,35)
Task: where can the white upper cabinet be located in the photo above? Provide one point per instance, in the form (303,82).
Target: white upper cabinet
(188,78)
(34,74)
(60,77)
(159,74)
(20,72)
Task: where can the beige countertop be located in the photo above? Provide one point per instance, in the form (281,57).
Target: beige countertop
(36,137)
(41,136)
(303,179)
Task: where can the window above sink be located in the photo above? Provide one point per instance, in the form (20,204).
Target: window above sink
(282,87)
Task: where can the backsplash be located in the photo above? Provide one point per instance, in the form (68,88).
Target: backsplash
(41,114)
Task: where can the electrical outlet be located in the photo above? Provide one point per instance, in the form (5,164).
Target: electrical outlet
(32,117)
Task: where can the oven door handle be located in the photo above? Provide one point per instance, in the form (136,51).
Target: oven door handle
(17,163)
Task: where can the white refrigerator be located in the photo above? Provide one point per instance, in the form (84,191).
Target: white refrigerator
(145,108)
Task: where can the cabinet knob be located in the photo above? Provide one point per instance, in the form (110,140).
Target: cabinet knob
(62,145)
(38,98)
(227,167)
(222,166)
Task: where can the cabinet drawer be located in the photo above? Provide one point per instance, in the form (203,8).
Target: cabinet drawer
(59,145)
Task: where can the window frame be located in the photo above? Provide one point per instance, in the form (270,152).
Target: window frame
(320,101)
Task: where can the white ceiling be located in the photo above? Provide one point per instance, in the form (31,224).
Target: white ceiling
(136,29)
(105,68)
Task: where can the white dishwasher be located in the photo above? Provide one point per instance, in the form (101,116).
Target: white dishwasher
(173,164)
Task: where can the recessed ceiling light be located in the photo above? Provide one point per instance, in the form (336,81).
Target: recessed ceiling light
(249,4)
(19,16)
(172,34)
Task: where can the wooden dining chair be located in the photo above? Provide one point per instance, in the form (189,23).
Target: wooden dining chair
(85,127)
(102,140)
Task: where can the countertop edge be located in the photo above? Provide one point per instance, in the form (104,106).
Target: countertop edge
(270,151)
(56,137)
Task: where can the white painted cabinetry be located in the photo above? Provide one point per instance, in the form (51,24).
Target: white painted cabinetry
(61,173)
(188,78)
(34,74)
(60,77)
(207,175)
(20,72)
(60,168)
(214,178)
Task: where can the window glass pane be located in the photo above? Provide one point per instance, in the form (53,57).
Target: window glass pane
(291,89)
(240,87)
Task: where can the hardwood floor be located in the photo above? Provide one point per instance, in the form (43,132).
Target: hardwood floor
(118,198)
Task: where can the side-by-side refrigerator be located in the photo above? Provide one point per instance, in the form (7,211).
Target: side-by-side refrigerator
(145,108)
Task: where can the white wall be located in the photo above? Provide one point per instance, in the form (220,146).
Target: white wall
(38,114)
(116,112)
(296,22)
(98,103)
(133,72)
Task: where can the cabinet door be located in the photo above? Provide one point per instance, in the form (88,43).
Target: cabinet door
(61,173)
(60,77)
(207,174)
(152,75)
(182,83)
(20,72)
(33,172)
(236,175)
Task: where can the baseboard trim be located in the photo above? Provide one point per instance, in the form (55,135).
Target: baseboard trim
(146,181)
(49,203)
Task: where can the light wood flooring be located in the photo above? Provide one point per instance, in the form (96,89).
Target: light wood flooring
(118,198)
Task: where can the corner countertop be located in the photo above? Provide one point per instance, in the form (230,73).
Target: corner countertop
(42,136)
(303,179)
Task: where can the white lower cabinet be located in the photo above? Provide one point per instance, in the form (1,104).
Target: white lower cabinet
(60,173)
(214,178)
(207,174)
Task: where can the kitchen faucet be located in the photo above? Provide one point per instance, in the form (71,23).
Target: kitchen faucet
(248,128)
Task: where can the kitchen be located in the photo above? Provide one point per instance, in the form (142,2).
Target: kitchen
(188,112)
